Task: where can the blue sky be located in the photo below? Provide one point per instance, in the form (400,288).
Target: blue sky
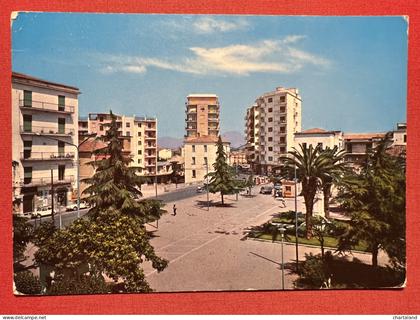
(351,71)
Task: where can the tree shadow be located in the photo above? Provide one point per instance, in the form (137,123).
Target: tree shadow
(203,204)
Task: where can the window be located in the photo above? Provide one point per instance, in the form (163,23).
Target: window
(149,153)
(61,125)
(270,158)
(270,100)
(127,133)
(282,140)
(101,119)
(127,124)
(282,129)
(205,160)
(139,161)
(27,149)
(193,160)
(270,129)
(139,143)
(27,175)
(405,138)
(139,152)
(270,119)
(282,99)
(282,149)
(149,125)
(270,138)
(282,119)
(282,109)
(139,124)
(61,103)
(193,148)
(349,148)
(101,128)
(61,148)
(288,189)
(27,123)
(139,134)
(205,148)
(27,98)
(61,171)
(270,148)
(193,173)
(270,109)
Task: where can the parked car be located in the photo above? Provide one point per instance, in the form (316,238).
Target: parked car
(73,206)
(266,190)
(42,212)
(277,186)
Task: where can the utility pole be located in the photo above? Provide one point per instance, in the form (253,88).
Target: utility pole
(52,195)
(207,186)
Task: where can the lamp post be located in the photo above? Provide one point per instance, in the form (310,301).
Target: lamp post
(207,186)
(296,224)
(78,163)
(282,230)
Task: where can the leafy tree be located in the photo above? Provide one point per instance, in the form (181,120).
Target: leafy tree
(375,199)
(223,178)
(22,235)
(311,165)
(27,283)
(250,183)
(113,239)
(321,228)
(333,175)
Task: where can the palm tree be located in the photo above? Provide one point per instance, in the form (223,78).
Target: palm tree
(336,168)
(311,165)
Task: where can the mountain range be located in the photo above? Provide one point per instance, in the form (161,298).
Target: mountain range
(234,137)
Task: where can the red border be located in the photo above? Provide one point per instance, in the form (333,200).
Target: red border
(310,302)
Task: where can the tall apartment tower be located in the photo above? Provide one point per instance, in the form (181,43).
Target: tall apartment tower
(202,112)
(138,134)
(44,130)
(270,127)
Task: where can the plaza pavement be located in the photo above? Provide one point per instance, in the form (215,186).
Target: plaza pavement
(207,250)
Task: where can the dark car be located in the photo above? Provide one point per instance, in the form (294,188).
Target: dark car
(266,190)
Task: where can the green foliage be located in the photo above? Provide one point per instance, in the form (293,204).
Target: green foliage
(27,283)
(315,272)
(84,284)
(375,199)
(322,228)
(112,240)
(223,178)
(22,235)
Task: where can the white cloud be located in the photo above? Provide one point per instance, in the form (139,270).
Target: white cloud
(211,25)
(268,56)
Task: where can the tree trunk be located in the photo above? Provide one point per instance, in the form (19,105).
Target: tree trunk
(375,251)
(221,193)
(327,194)
(309,190)
(321,242)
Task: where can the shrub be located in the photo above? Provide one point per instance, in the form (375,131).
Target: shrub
(84,284)
(27,283)
(314,272)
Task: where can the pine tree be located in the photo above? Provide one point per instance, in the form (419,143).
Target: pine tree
(223,178)
(113,241)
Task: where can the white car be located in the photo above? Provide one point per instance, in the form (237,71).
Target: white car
(42,212)
(73,206)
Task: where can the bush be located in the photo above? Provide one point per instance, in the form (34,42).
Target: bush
(27,283)
(84,284)
(315,272)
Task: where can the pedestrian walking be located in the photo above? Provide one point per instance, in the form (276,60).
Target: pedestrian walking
(174,210)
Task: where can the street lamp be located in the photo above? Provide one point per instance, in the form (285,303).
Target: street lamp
(296,222)
(282,230)
(78,163)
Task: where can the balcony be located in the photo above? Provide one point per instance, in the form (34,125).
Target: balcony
(46,131)
(45,181)
(190,128)
(152,146)
(149,137)
(150,155)
(43,156)
(45,106)
(150,129)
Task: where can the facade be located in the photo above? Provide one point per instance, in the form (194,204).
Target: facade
(202,111)
(238,157)
(139,136)
(44,124)
(399,140)
(317,136)
(270,127)
(165,154)
(358,145)
(199,155)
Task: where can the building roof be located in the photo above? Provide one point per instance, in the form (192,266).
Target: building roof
(202,95)
(91,145)
(30,80)
(316,131)
(364,136)
(177,158)
(203,139)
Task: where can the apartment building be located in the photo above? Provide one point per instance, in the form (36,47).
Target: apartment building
(202,131)
(270,127)
(139,136)
(44,132)
(358,145)
(318,136)
(202,111)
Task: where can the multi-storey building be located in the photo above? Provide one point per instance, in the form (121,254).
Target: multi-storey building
(139,136)
(202,131)
(271,124)
(318,136)
(44,130)
(358,145)
(202,112)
